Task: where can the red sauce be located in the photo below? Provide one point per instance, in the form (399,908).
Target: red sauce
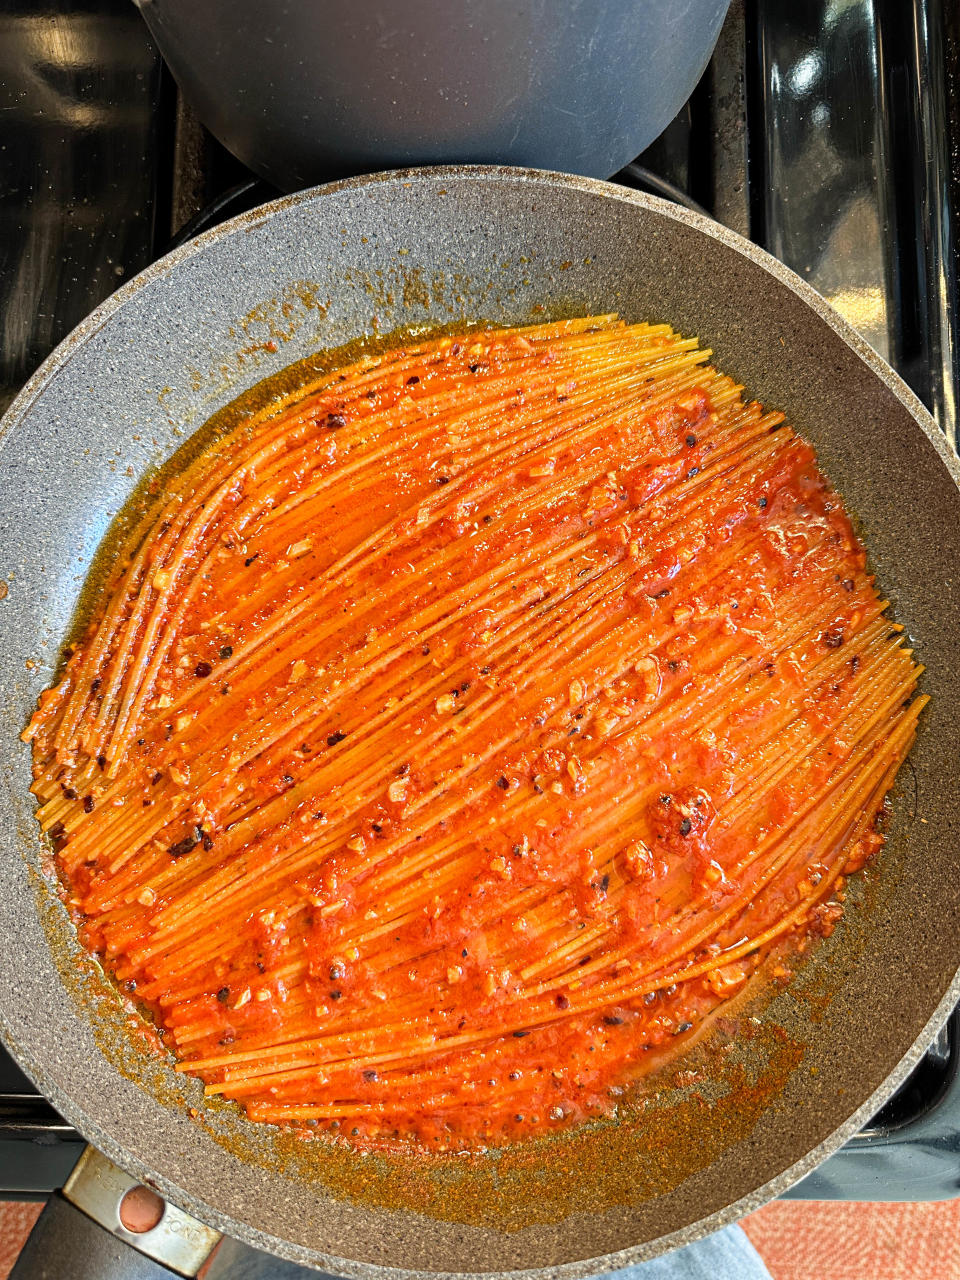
(462,734)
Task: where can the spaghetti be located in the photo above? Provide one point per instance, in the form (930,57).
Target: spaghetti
(469,725)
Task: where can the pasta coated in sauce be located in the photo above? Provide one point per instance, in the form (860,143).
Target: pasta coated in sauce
(470,725)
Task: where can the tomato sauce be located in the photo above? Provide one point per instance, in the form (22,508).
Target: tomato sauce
(467,728)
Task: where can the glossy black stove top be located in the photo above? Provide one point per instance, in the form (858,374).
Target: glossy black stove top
(827,132)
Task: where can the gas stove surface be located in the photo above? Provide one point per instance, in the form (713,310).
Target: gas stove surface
(822,130)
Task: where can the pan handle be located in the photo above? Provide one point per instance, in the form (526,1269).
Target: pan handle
(105,1226)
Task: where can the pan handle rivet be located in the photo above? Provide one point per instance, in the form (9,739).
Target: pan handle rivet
(141,1209)
(138,1215)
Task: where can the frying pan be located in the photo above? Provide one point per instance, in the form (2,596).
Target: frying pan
(430,248)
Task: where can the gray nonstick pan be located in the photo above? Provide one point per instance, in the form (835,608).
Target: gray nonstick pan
(432,248)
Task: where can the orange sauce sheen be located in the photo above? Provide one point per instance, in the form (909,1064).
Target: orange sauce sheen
(464,730)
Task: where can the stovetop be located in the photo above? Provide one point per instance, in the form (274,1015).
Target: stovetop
(826,130)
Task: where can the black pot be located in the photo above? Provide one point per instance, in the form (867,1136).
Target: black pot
(306,90)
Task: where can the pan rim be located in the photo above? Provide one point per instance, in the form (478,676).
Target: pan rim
(61,356)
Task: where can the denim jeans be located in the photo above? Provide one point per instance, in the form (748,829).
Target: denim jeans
(725,1255)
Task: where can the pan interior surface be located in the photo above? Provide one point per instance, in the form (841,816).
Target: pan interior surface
(421,251)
